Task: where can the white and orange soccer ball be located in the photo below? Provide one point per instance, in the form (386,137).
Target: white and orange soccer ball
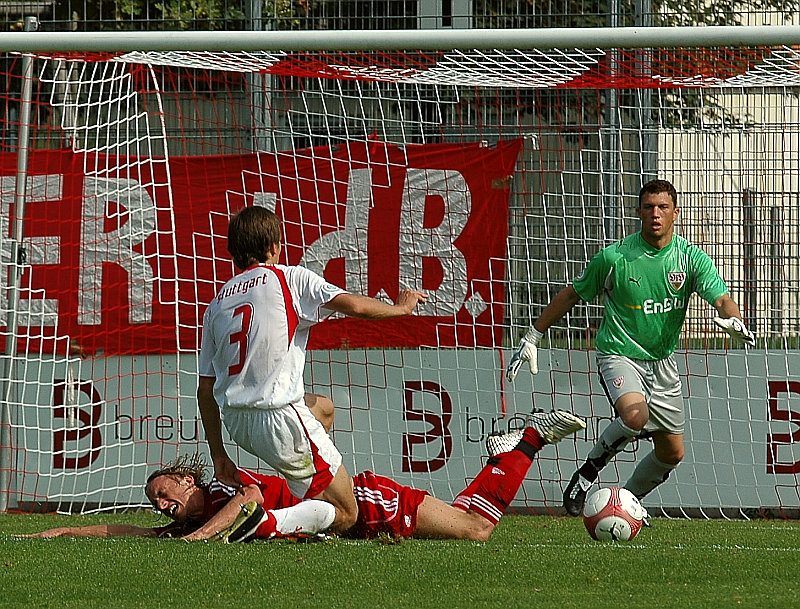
(613,514)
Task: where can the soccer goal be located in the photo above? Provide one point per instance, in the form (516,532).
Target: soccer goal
(485,167)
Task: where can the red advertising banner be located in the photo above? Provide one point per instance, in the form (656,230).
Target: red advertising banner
(122,257)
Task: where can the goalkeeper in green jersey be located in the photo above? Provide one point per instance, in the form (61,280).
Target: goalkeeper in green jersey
(646,280)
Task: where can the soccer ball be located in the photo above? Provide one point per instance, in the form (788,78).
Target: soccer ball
(613,514)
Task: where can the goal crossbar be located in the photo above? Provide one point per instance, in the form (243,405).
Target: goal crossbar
(367,40)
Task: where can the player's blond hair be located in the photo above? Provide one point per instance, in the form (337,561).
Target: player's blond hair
(193,465)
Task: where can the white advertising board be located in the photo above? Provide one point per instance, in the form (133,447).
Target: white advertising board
(92,433)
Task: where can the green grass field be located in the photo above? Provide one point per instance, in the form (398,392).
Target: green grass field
(530,561)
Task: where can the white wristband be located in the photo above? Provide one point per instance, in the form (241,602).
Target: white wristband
(533,336)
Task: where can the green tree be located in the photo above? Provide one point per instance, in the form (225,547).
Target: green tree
(149,15)
(598,13)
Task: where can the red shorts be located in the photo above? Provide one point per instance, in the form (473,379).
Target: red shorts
(384,506)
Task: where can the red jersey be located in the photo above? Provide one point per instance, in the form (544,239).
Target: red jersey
(384,506)
(216,495)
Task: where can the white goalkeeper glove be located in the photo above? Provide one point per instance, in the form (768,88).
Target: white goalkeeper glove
(736,328)
(526,352)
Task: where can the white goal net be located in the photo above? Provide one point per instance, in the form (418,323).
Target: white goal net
(486,177)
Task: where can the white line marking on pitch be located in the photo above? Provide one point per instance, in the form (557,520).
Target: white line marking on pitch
(639,546)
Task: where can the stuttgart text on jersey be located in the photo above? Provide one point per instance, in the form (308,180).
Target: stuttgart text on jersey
(243,287)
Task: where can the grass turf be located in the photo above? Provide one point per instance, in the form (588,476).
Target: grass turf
(530,561)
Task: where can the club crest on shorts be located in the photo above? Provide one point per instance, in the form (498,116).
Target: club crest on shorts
(618,381)
(676,279)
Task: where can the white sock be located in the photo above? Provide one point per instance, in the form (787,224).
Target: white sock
(648,474)
(614,438)
(310,516)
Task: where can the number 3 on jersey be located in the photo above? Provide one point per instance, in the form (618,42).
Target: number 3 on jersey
(245,312)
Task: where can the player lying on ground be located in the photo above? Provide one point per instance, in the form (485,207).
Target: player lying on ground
(385,506)
(178,482)
(202,511)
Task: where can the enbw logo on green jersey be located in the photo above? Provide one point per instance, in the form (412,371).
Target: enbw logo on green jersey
(651,307)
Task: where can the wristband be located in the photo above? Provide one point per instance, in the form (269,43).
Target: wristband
(533,335)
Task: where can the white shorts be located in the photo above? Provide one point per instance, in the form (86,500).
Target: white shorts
(658,381)
(289,439)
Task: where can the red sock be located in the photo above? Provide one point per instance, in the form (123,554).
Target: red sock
(532,437)
(497,483)
(268,527)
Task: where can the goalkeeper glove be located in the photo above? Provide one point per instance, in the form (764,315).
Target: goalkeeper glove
(736,328)
(526,352)
(244,527)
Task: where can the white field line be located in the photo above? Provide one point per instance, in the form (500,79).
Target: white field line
(642,547)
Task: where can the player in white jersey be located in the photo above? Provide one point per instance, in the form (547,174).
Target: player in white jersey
(252,357)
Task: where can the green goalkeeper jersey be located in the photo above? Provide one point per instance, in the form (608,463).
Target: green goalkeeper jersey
(646,293)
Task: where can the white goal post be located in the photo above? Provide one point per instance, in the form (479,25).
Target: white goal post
(483,166)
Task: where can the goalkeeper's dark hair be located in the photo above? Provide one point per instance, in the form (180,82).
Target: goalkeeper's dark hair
(654,187)
(193,465)
(252,233)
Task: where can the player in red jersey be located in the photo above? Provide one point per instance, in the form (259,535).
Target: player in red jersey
(384,505)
